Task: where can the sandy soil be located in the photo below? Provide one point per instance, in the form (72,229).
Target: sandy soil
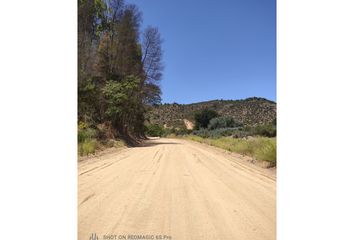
(177,188)
(189,125)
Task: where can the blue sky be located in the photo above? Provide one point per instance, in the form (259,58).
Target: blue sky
(223,49)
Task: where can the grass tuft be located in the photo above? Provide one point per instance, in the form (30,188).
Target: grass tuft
(87,147)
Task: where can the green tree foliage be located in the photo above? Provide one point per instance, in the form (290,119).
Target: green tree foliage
(223,122)
(85,133)
(268,130)
(118,75)
(154,130)
(120,97)
(203,118)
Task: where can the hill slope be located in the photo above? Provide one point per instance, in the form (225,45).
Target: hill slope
(250,111)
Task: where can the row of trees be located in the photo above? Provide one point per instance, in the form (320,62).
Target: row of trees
(208,123)
(119,68)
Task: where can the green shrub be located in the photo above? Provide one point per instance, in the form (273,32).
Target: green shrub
(223,122)
(168,132)
(268,130)
(220,132)
(237,132)
(87,147)
(85,134)
(183,131)
(203,118)
(204,133)
(240,133)
(154,130)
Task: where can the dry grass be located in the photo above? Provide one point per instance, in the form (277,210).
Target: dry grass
(91,146)
(261,148)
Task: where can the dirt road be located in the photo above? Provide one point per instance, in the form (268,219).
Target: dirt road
(180,189)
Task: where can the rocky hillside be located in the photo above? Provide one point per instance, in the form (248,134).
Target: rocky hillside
(250,111)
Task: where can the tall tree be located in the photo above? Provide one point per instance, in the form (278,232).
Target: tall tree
(203,118)
(152,63)
(90,14)
(118,75)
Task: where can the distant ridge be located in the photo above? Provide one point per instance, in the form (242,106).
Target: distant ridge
(250,111)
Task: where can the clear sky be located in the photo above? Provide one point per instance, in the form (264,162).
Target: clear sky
(223,49)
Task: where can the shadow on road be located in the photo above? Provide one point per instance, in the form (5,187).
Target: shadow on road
(153,142)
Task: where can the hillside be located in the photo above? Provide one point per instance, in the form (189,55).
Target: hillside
(250,111)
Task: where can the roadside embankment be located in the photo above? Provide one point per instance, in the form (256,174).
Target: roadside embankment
(259,148)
